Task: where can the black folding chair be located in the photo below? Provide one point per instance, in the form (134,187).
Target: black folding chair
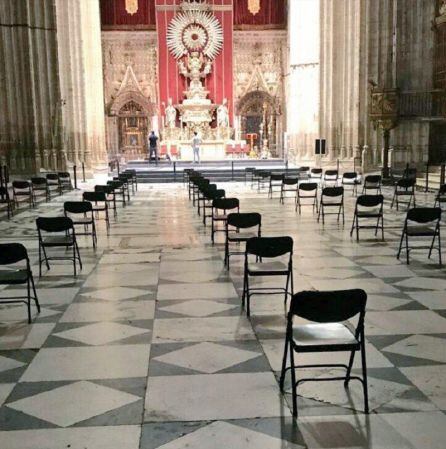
(128,180)
(303,173)
(263,179)
(124,180)
(329,311)
(100,204)
(21,192)
(65,237)
(368,207)
(6,200)
(86,219)
(305,191)
(350,179)
(193,177)
(186,174)
(133,178)
(249,171)
(372,182)
(404,188)
(54,184)
(331,178)
(198,183)
(11,254)
(210,196)
(275,184)
(422,222)
(204,189)
(240,227)
(440,197)
(65,181)
(289,185)
(110,196)
(40,188)
(316,174)
(332,197)
(255,177)
(220,207)
(118,190)
(267,248)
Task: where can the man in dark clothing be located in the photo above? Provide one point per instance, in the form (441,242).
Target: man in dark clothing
(153,147)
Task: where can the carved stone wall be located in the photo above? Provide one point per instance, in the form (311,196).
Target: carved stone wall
(130,73)
(259,65)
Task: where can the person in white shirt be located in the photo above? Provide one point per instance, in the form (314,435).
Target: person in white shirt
(196,142)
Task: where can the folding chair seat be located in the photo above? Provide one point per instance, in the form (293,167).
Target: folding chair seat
(275,183)
(350,179)
(21,192)
(404,188)
(203,190)
(81,212)
(99,204)
(316,174)
(220,207)
(304,173)
(240,227)
(6,200)
(119,190)
(368,207)
(372,182)
(267,248)
(331,178)
(65,181)
(12,254)
(440,197)
(332,197)
(54,185)
(289,185)
(40,188)
(110,196)
(329,312)
(210,196)
(305,191)
(422,222)
(57,232)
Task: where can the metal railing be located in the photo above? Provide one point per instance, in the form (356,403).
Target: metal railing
(423,104)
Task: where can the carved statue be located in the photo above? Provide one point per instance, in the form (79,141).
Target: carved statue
(442,8)
(223,115)
(197,68)
(171,115)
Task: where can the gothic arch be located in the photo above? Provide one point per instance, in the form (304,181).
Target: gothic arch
(252,103)
(121,100)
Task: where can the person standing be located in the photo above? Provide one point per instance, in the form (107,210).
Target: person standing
(153,147)
(196,142)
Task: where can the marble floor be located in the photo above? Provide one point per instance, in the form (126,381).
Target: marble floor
(149,348)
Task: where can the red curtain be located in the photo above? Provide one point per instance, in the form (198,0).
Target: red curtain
(272,13)
(171,83)
(114,14)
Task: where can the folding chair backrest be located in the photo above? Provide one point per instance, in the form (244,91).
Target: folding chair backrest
(38,181)
(244,220)
(333,191)
(54,224)
(77,207)
(290,181)
(12,253)
(216,194)
(52,177)
(372,181)
(424,214)
(104,188)
(264,174)
(329,174)
(276,177)
(442,190)
(308,186)
(269,246)
(94,196)
(370,200)
(4,192)
(64,175)
(328,306)
(226,203)
(316,172)
(304,169)
(406,183)
(115,184)
(350,175)
(21,185)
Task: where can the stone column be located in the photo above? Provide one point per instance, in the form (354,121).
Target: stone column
(81,82)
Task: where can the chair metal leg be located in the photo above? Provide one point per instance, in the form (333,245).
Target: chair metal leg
(293,382)
(407,249)
(349,368)
(401,243)
(36,299)
(364,376)
(28,304)
(284,359)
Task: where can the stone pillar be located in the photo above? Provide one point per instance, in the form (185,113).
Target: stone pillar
(81,82)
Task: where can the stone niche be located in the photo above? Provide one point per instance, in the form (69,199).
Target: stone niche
(130,75)
(259,68)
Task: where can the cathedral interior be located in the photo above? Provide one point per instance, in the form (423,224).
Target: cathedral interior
(220,224)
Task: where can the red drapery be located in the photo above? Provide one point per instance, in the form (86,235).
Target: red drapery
(272,13)
(114,14)
(219,82)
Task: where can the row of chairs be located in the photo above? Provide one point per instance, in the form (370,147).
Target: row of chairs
(38,187)
(273,256)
